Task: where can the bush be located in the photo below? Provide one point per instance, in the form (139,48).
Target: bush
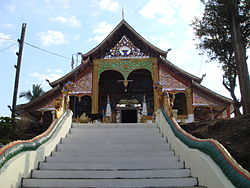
(5,141)
(6,126)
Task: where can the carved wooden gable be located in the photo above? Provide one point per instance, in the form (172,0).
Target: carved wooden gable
(201,100)
(168,82)
(125,49)
(81,86)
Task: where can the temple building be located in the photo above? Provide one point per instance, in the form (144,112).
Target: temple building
(126,79)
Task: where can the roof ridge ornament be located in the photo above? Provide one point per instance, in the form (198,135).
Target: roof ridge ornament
(125,49)
(122,14)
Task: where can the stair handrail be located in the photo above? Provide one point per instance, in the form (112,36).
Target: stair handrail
(14,148)
(238,176)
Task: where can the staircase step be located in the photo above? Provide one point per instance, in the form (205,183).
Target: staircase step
(152,182)
(113,125)
(111,140)
(92,138)
(113,147)
(113,137)
(115,154)
(111,165)
(116,127)
(141,187)
(173,173)
(114,131)
(92,159)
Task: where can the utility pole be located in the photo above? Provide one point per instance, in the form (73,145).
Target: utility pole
(18,66)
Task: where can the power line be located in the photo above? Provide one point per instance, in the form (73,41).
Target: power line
(7,39)
(31,45)
(7,47)
(34,46)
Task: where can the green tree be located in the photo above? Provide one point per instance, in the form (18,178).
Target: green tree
(239,21)
(36,92)
(214,31)
(6,126)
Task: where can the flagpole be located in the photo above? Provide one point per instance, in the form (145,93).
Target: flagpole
(72,67)
(75,87)
(72,62)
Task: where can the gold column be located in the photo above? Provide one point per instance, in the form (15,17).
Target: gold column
(156,79)
(167,105)
(190,109)
(65,102)
(95,88)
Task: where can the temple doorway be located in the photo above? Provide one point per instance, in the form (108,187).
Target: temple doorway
(126,102)
(129,116)
(110,84)
(80,105)
(140,85)
(180,103)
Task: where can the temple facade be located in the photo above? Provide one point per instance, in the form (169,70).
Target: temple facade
(127,79)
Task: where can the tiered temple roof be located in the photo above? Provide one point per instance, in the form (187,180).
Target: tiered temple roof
(103,49)
(123,29)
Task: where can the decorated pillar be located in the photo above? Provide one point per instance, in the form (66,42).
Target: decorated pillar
(53,115)
(58,103)
(166,104)
(95,86)
(190,109)
(156,80)
(65,102)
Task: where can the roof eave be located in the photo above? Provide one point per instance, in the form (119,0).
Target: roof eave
(123,22)
(41,100)
(211,93)
(186,74)
(66,77)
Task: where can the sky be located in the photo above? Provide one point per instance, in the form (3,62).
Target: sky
(66,27)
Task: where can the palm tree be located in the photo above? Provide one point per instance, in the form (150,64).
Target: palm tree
(36,92)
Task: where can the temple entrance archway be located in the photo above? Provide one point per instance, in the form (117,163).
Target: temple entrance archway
(80,105)
(141,84)
(180,103)
(126,101)
(110,84)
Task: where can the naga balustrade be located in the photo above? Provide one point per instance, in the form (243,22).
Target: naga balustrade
(237,175)
(18,158)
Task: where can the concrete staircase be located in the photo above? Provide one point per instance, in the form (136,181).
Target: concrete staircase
(112,155)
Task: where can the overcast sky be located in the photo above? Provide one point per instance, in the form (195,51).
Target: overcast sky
(66,27)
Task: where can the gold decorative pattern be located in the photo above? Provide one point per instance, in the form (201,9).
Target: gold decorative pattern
(168,82)
(199,100)
(124,49)
(81,86)
(49,105)
(125,66)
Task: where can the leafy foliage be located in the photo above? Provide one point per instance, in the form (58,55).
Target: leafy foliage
(6,125)
(213,31)
(36,92)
